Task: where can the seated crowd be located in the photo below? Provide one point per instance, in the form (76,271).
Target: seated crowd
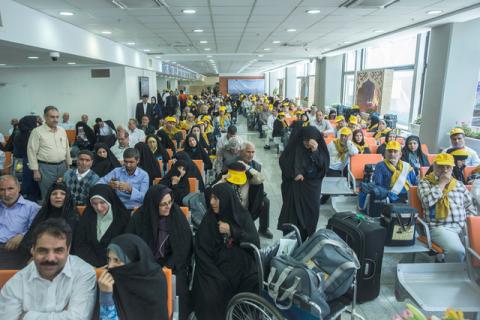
(118,208)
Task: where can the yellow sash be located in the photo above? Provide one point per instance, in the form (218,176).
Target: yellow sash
(442,207)
(372,127)
(379,134)
(342,151)
(396,173)
(361,149)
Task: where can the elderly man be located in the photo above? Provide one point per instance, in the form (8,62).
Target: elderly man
(84,118)
(322,124)
(80,180)
(457,138)
(393,174)
(123,143)
(135,135)
(55,285)
(130,182)
(65,124)
(446,203)
(16,215)
(146,127)
(48,150)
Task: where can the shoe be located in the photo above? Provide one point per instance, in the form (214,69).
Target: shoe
(266,147)
(265,233)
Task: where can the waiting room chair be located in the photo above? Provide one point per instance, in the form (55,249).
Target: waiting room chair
(8,163)
(425,148)
(468,171)
(81,209)
(71,135)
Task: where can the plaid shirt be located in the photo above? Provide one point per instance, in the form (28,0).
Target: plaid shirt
(460,204)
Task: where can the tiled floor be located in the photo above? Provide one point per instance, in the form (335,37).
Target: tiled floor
(385,306)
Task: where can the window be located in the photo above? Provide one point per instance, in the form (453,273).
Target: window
(476,109)
(350,61)
(349,89)
(397,52)
(402,94)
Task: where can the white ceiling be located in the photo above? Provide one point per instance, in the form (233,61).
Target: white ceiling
(237,31)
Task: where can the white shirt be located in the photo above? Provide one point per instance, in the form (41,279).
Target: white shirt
(70,296)
(106,130)
(118,150)
(135,136)
(270,121)
(2,159)
(10,131)
(2,138)
(80,176)
(145,105)
(336,162)
(324,127)
(67,125)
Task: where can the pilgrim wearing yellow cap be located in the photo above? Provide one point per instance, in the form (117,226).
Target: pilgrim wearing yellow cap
(340,151)
(459,157)
(446,202)
(223,120)
(390,135)
(394,175)
(169,133)
(457,139)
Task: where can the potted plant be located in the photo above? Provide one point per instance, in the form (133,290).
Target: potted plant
(414,127)
(472,136)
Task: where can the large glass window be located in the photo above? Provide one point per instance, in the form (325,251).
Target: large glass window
(402,94)
(391,53)
(476,110)
(349,89)
(350,61)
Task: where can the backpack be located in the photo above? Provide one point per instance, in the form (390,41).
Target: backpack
(368,171)
(195,201)
(326,253)
(372,198)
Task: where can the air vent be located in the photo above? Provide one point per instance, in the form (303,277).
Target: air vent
(139,4)
(367,4)
(293,44)
(100,73)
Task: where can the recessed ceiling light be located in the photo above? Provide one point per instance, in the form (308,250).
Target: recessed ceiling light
(204,41)
(146,50)
(188,49)
(209,56)
(434,12)
(291,30)
(71,63)
(131,43)
(313,11)
(347,42)
(188,11)
(174,62)
(66,13)
(2,64)
(158,57)
(198,30)
(260,55)
(266,49)
(106,32)
(378,31)
(276,41)
(32,58)
(207,49)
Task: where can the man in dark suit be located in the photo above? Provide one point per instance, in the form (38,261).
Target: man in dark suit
(144,109)
(171,104)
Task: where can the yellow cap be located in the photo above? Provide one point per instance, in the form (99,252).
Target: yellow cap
(207,118)
(444,159)
(237,177)
(394,145)
(298,112)
(281,114)
(457,131)
(345,131)
(355,107)
(222,108)
(189,103)
(171,119)
(190,97)
(353,120)
(460,153)
(199,122)
(339,118)
(270,107)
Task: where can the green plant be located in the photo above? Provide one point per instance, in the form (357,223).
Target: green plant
(418,121)
(470,132)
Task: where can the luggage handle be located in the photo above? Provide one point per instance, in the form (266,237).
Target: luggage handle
(403,225)
(288,293)
(372,266)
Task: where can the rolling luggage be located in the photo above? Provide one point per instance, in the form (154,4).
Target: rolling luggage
(366,237)
(372,199)
(400,222)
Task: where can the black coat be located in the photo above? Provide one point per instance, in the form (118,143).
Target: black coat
(139,113)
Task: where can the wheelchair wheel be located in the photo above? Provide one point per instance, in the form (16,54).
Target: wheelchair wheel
(250,306)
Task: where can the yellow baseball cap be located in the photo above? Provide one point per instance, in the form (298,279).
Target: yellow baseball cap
(394,145)
(281,114)
(339,118)
(457,131)
(353,120)
(237,175)
(355,107)
(345,131)
(207,118)
(444,159)
(459,154)
(298,112)
(171,119)
(199,122)
(222,108)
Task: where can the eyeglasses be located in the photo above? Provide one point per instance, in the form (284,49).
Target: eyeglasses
(166,203)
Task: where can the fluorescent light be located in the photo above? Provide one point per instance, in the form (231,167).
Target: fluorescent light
(106,32)
(198,30)
(291,30)
(313,11)
(71,63)
(158,57)
(204,41)
(131,43)
(2,64)
(260,55)
(207,49)
(347,42)
(32,58)
(209,56)
(378,31)
(119,4)
(266,49)
(434,12)
(146,50)
(188,11)
(276,41)
(66,13)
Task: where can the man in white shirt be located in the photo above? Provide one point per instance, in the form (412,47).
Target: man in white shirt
(55,285)
(457,138)
(322,124)
(269,128)
(65,124)
(123,143)
(135,135)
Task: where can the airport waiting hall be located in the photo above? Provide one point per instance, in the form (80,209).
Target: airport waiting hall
(240,159)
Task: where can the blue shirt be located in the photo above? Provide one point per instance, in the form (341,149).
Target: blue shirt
(16,219)
(382,177)
(138,180)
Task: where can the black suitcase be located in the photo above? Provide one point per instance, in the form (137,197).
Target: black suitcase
(366,237)
(390,120)
(400,222)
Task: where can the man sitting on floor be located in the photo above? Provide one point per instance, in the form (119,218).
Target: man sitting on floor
(16,216)
(55,285)
(393,174)
(446,202)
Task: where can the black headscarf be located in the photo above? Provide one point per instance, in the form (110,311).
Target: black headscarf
(148,162)
(198,152)
(160,152)
(67,212)
(102,166)
(140,289)
(86,244)
(203,143)
(192,170)
(182,188)
(422,157)
(88,132)
(26,125)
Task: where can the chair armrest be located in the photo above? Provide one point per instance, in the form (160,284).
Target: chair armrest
(291,227)
(426,231)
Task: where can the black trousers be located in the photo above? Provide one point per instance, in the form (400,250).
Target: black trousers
(264,217)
